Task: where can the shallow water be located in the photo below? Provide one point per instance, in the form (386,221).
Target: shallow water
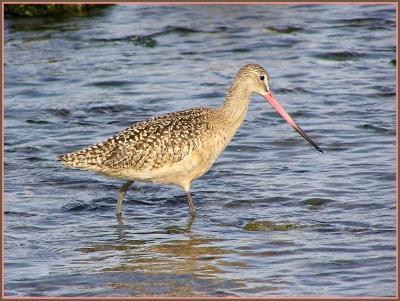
(275,217)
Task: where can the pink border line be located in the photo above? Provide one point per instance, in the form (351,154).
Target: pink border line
(202,3)
(211,298)
(397,150)
(208,297)
(2,152)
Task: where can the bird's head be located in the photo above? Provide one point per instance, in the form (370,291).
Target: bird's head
(256,78)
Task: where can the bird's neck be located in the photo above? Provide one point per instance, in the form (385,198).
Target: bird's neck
(236,104)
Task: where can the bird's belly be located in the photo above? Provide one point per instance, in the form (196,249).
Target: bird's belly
(193,166)
(179,173)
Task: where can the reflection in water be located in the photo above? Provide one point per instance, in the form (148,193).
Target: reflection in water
(186,229)
(179,264)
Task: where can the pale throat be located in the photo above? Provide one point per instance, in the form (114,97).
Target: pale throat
(236,103)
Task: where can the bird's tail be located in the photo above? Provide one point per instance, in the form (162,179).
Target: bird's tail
(87,158)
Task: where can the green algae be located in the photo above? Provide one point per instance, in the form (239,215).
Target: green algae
(51,10)
(269,226)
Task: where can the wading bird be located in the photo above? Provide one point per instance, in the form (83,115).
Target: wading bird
(178,147)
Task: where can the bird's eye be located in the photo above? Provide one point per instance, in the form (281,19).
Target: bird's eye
(262,77)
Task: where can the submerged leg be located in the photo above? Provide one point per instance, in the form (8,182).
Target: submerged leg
(121,195)
(190,202)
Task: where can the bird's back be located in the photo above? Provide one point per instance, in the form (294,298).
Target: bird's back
(148,144)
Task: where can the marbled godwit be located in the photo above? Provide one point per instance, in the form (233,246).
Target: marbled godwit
(178,147)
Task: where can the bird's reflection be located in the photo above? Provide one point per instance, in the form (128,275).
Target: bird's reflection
(187,228)
(143,255)
(176,252)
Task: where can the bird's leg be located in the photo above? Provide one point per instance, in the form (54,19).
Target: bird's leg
(121,195)
(188,226)
(190,202)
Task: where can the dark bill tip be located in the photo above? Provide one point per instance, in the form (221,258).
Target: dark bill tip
(305,136)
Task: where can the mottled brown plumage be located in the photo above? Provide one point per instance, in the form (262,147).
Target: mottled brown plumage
(174,148)
(148,144)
